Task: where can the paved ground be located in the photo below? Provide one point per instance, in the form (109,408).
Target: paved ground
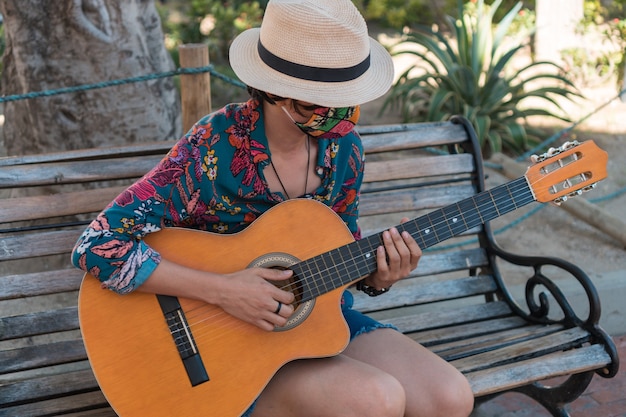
(603,398)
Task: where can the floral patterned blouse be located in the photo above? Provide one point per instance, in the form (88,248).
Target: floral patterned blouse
(211,180)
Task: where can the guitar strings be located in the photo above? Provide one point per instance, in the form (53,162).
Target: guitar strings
(364,258)
(319,276)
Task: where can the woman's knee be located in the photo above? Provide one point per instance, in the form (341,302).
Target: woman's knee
(383,395)
(455,398)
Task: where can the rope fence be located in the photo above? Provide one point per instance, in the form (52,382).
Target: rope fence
(104,84)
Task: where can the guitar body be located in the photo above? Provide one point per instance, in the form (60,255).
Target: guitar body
(131,348)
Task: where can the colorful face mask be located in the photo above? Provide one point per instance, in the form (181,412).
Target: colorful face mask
(330,122)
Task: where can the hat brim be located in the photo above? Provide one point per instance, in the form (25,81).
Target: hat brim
(251,70)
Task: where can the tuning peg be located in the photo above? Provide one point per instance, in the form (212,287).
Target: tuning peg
(553,151)
(590,187)
(575,193)
(568,145)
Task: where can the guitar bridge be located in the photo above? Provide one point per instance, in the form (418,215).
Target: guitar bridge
(183,339)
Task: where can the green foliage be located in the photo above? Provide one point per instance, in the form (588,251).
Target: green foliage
(397,14)
(471,74)
(213,22)
(588,67)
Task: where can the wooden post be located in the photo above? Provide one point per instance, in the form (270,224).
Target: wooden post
(195,89)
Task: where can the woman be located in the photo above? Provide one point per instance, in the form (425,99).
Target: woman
(308,68)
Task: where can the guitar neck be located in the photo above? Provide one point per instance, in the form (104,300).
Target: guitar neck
(348,263)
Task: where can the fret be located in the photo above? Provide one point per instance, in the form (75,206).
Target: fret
(347,263)
(301,284)
(325,270)
(415,232)
(455,219)
(306,278)
(503,199)
(485,207)
(440,225)
(470,214)
(425,232)
(366,255)
(520,192)
(338,269)
(512,190)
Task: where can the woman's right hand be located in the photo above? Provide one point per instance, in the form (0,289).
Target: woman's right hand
(249,296)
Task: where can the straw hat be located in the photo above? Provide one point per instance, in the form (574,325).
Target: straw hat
(317,51)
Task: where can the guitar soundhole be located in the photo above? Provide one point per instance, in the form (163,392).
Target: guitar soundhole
(283,261)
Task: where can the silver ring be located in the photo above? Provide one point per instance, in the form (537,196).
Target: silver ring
(280,305)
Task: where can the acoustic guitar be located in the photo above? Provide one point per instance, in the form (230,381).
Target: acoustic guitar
(156,355)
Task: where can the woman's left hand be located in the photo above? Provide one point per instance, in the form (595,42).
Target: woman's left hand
(396,258)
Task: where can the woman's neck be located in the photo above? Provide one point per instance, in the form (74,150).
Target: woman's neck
(293,155)
(282,133)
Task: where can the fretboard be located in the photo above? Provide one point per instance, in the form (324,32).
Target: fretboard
(348,263)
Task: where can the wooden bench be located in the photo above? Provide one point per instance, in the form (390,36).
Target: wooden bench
(455,303)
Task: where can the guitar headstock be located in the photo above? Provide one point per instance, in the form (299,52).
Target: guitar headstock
(566,171)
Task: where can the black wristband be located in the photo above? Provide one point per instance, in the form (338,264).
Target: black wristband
(371,291)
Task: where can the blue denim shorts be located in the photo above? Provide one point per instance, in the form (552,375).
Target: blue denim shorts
(358,323)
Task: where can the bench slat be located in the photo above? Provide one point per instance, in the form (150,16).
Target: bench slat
(82,404)
(140,149)
(488,342)
(418,167)
(33,324)
(406,136)
(40,283)
(521,373)
(459,332)
(562,340)
(31,245)
(49,386)
(438,318)
(56,205)
(106,411)
(418,199)
(459,260)
(414,291)
(77,172)
(38,356)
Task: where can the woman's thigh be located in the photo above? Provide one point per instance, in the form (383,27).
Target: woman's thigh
(433,387)
(337,386)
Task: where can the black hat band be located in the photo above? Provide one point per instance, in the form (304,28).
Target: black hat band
(305,72)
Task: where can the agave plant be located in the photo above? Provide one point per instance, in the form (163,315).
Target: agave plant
(467,75)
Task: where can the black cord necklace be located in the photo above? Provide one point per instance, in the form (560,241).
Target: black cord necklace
(306,178)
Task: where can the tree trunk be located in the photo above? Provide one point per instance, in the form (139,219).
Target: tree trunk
(65,43)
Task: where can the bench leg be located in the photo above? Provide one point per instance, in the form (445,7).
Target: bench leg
(554,399)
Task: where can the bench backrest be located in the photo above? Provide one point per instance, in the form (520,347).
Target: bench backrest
(48,200)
